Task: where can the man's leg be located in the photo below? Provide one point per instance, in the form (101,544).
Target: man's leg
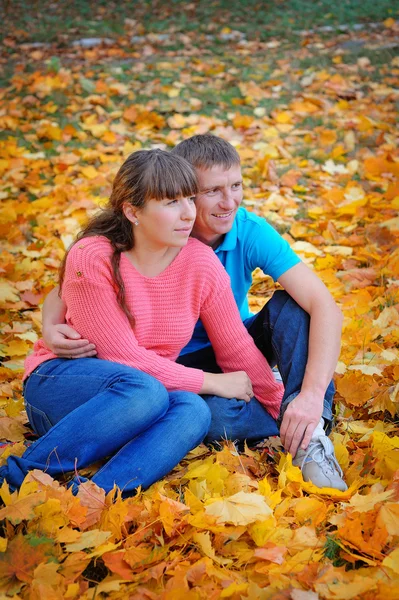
(231,419)
(281,331)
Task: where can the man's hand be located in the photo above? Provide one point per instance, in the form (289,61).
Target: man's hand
(299,422)
(65,342)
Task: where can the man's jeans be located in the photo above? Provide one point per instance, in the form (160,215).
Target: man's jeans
(89,409)
(281,332)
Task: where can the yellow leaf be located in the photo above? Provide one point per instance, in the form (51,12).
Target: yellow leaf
(17,348)
(306,248)
(273,498)
(289,473)
(388,317)
(309,509)
(88,539)
(389,517)
(72,590)
(305,537)
(262,530)
(328,137)
(89,172)
(3,544)
(386,450)
(341,452)
(240,509)
(339,250)
(67,535)
(365,503)
(234,588)
(8,293)
(392,561)
(284,117)
(51,516)
(346,590)
(11,430)
(390,22)
(203,539)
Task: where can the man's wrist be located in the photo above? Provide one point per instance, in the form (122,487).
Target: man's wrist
(315,396)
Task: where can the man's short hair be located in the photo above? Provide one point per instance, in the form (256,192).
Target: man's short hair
(205,151)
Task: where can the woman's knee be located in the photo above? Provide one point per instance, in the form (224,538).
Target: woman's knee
(143,392)
(195,416)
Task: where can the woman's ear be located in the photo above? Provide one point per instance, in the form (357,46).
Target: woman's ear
(130,212)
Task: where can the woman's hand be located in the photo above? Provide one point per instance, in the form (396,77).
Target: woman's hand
(65,342)
(228,385)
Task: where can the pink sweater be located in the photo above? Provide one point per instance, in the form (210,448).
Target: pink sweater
(166,308)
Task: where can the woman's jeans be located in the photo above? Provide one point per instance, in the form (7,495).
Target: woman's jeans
(89,409)
(281,332)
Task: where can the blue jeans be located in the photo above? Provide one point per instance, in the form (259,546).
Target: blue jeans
(281,332)
(90,409)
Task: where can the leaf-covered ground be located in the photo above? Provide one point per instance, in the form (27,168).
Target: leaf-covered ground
(315,125)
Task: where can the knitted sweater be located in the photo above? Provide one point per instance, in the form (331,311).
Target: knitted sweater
(165,308)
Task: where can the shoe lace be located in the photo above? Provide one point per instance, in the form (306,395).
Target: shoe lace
(318,452)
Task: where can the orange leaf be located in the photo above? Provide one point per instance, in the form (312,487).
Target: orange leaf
(116,563)
(355,389)
(24,554)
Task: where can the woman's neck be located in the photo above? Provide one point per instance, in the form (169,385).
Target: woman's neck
(150,262)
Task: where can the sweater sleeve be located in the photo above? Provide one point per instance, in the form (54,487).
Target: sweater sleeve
(92,309)
(234,348)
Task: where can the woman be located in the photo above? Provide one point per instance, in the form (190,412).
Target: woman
(135,284)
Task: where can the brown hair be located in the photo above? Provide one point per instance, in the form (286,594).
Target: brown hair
(205,151)
(146,174)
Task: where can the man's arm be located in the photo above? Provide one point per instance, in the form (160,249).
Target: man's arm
(59,337)
(304,412)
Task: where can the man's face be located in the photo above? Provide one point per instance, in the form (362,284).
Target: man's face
(217,202)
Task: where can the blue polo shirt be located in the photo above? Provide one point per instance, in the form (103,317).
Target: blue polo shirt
(250,243)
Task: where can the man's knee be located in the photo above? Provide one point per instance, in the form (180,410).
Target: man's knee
(283,305)
(226,416)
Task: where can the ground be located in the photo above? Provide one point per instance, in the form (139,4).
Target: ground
(313,115)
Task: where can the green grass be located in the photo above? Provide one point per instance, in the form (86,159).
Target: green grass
(49,21)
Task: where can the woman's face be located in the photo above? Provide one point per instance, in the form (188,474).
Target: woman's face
(163,223)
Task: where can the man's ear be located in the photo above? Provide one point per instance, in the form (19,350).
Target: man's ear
(130,212)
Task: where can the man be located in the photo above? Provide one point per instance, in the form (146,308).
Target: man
(299,329)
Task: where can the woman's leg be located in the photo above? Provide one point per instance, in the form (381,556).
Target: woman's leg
(84,409)
(153,453)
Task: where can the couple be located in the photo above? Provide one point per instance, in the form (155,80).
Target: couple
(177,362)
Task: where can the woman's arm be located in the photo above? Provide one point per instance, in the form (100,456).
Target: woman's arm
(234,347)
(58,336)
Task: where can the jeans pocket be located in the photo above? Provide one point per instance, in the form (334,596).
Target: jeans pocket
(38,419)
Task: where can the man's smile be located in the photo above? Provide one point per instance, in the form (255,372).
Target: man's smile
(225,215)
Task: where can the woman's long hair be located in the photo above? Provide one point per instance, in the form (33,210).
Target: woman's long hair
(146,174)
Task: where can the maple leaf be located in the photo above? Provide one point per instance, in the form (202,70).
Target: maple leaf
(66,132)
(116,564)
(89,539)
(20,509)
(240,509)
(92,497)
(11,430)
(24,554)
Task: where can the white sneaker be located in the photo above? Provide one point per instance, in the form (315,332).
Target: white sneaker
(319,464)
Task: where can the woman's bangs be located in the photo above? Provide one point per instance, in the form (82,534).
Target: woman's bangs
(171,181)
